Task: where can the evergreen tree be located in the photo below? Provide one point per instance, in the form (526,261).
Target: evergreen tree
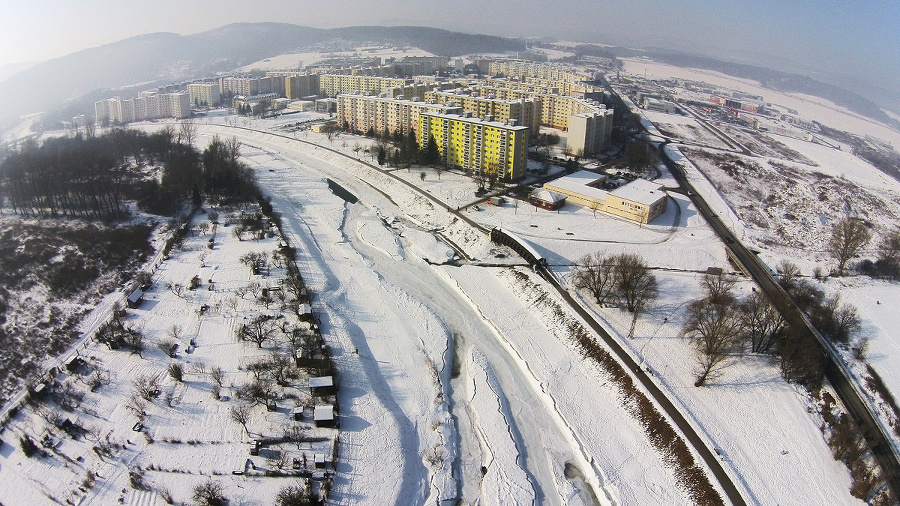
(432,154)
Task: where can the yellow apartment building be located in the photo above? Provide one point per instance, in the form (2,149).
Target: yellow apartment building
(474,144)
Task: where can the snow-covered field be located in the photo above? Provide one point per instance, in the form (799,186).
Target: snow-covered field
(809,107)
(454,383)
(785,210)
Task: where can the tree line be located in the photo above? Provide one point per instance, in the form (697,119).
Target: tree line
(100,177)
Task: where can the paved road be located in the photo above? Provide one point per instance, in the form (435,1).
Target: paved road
(835,372)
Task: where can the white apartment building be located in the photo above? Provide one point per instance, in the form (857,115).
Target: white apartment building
(204,94)
(148,105)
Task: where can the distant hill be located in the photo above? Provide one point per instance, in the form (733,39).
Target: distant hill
(168,57)
(774,79)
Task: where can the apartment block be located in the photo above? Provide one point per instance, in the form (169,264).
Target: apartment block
(248,86)
(204,94)
(474,144)
(525,111)
(332,85)
(364,112)
(148,105)
(522,68)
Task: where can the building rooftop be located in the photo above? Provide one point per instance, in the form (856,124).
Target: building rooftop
(578,183)
(547,195)
(640,191)
(325,381)
(323,412)
(498,124)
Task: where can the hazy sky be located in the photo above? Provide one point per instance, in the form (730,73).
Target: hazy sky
(850,36)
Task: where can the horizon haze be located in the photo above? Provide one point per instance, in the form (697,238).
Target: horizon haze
(846,44)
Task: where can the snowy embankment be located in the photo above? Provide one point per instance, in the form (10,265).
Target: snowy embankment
(338,243)
(761,425)
(546,462)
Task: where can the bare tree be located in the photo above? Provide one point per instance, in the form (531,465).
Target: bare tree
(210,493)
(763,325)
(594,273)
(718,288)
(278,461)
(295,434)
(134,339)
(634,282)
(241,414)
(177,289)
(297,494)
(713,330)
(187,132)
(217,375)
(788,273)
(282,368)
(259,391)
(255,261)
(836,321)
(889,247)
(259,330)
(848,237)
(137,406)
(147,387)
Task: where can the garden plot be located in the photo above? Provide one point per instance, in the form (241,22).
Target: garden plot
(127,423)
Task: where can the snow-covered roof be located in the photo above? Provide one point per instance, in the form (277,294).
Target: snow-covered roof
(578,183)
(640,191)
(325,381)
(547,195)
(323,412)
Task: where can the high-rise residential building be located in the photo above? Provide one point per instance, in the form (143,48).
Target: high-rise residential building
(474,144)
(148,105)
(204,94)
(332,85)
(525,111)
(382,114)
(589,132)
